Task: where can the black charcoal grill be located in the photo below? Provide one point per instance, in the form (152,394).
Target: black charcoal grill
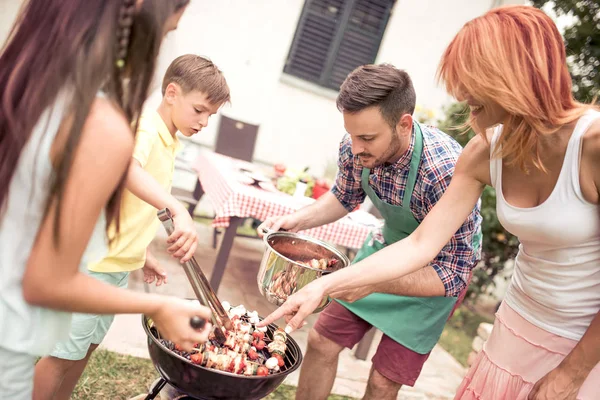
(202,383)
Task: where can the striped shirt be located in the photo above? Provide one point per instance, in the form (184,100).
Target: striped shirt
(457,259)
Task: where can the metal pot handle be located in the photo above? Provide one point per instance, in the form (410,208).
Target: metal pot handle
(266,232)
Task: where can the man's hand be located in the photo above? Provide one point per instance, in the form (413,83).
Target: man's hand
(558,384)
(325,210)
(152,270)
(351,295)
(289,222)
(184,239)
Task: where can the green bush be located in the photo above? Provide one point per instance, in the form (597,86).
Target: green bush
(582,40)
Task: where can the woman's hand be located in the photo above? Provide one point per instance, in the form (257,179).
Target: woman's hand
(298,306)
(558,384)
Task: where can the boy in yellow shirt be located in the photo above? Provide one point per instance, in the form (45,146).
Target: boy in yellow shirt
(193,89)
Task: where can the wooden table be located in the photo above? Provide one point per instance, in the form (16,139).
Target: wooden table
(226,185)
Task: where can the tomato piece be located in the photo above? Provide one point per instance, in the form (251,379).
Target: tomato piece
(260,344)
(196,358)
(280,361)
(258,335)
(262,371)
(252,354)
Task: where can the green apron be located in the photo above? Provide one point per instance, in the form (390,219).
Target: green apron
(414,322)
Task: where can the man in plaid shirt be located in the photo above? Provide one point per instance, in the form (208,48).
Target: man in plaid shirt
(456,260)
(404,168)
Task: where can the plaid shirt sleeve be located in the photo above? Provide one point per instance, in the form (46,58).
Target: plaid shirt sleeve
(461,254)
(347,187)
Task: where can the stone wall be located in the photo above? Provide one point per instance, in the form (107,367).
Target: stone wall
(483,333)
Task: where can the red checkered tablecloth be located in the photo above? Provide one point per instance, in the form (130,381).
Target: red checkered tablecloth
(226,186)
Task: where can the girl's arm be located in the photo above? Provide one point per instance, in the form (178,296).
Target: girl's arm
(52,278)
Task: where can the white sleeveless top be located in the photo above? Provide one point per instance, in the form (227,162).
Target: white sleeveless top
(556,281)
(25,328)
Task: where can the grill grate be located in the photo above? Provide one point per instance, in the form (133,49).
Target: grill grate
(292,353)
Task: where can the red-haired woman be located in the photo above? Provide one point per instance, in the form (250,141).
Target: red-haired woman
(74,75)
(540,149)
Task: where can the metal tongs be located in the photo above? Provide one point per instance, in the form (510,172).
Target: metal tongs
(202,289)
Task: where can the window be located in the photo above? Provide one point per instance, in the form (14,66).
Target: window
(334,37)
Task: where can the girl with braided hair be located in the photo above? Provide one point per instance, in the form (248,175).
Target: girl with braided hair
(74,75)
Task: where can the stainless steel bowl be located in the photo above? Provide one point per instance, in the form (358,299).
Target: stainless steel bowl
(281,274)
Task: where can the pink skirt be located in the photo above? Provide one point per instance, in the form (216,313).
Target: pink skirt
(517,355)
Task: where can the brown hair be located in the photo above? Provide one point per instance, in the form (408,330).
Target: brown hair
(381,85)
(83,46)
(196,73)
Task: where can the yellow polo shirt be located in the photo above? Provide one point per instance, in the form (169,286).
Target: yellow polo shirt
(155,149)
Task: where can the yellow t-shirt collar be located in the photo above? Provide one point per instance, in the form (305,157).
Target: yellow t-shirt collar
(164,133)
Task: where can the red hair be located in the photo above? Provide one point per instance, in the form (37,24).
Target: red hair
(514,56)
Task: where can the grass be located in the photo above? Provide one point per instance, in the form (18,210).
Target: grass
(113,376)
(118,377)
(460,331)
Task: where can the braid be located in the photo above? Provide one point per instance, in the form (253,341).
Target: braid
(124,31)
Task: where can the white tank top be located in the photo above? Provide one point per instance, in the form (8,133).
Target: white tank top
(25,328)
(556,281)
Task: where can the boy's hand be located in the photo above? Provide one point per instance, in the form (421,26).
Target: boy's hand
(152,271)
(184,239)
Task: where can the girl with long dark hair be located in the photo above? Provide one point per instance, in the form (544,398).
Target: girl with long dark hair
(74,75)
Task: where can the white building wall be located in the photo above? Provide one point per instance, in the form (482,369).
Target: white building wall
(250,40)
(8,12)
(299,123)
(417,35)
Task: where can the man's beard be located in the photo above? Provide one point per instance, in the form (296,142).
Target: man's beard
(391,151)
